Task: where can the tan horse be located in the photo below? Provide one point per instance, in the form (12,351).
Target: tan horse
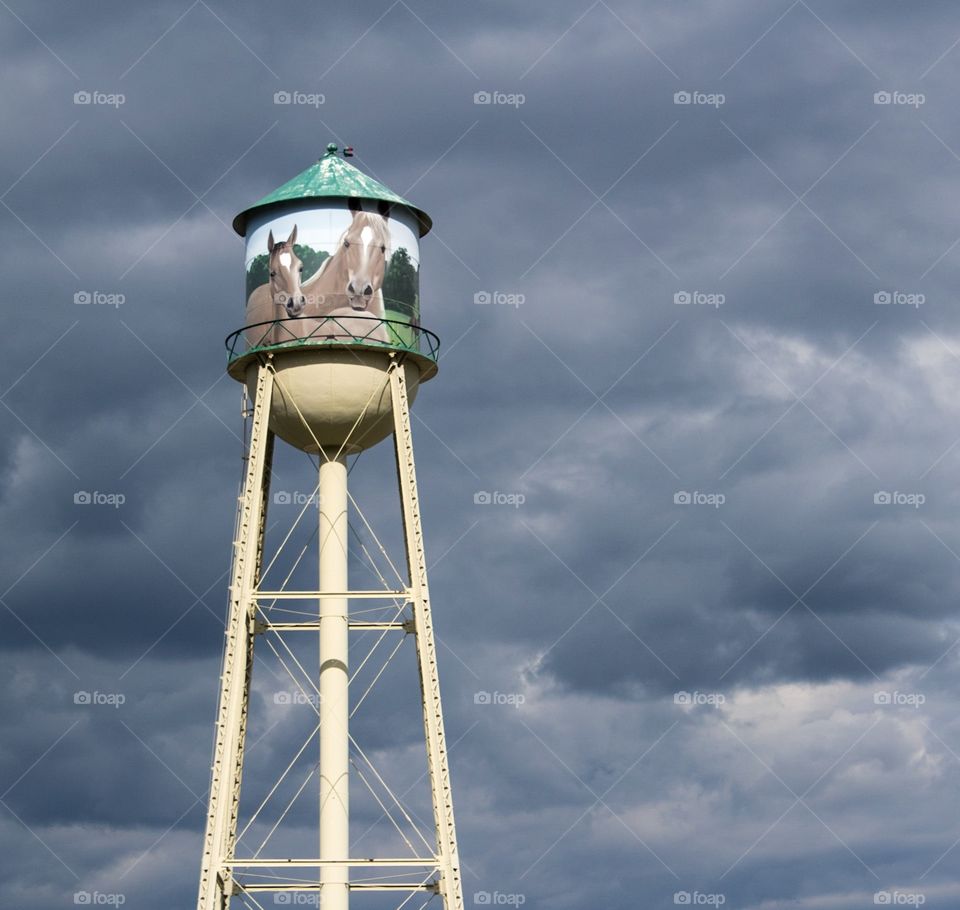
(281,297)
(350,282)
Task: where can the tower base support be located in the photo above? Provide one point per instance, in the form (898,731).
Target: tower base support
(331,870)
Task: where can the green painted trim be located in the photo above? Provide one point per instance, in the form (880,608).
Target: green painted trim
(238,344)
(331,178)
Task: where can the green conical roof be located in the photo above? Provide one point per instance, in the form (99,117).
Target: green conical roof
(331,178)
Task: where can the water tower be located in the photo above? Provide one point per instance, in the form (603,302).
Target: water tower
(331,355)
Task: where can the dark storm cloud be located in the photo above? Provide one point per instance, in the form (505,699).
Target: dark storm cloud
(598,398)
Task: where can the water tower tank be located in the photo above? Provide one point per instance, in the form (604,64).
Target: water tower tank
(332,299)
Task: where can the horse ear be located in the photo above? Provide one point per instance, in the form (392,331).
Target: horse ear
(292,239)
(384,209)
(270,242)
(354,206)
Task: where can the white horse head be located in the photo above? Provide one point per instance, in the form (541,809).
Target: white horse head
(285,274)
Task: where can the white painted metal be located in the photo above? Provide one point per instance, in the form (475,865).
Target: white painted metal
(317,863)
(334,678)
(238,654)
(315,595)
(447,854)
(318,399)
(315,626)
(250,615)
(359,886)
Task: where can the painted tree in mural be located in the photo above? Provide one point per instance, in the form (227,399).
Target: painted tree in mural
(401,284)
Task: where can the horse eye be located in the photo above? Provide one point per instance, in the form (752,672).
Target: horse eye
(273,274)
(301,268)
(383,249)
(346,243)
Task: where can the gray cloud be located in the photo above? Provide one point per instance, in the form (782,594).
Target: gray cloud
(799,399)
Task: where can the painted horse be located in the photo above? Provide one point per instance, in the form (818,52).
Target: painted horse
(349,283)
(281,297)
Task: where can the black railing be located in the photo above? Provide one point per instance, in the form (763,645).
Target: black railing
(313,331)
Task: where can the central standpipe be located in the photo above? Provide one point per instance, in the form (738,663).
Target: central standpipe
(334,705)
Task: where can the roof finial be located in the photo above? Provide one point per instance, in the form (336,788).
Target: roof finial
(331,148)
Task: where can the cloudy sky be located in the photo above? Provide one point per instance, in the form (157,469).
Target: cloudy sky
(719,632)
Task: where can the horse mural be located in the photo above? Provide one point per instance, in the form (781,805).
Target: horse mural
(281,297)
(349,284)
